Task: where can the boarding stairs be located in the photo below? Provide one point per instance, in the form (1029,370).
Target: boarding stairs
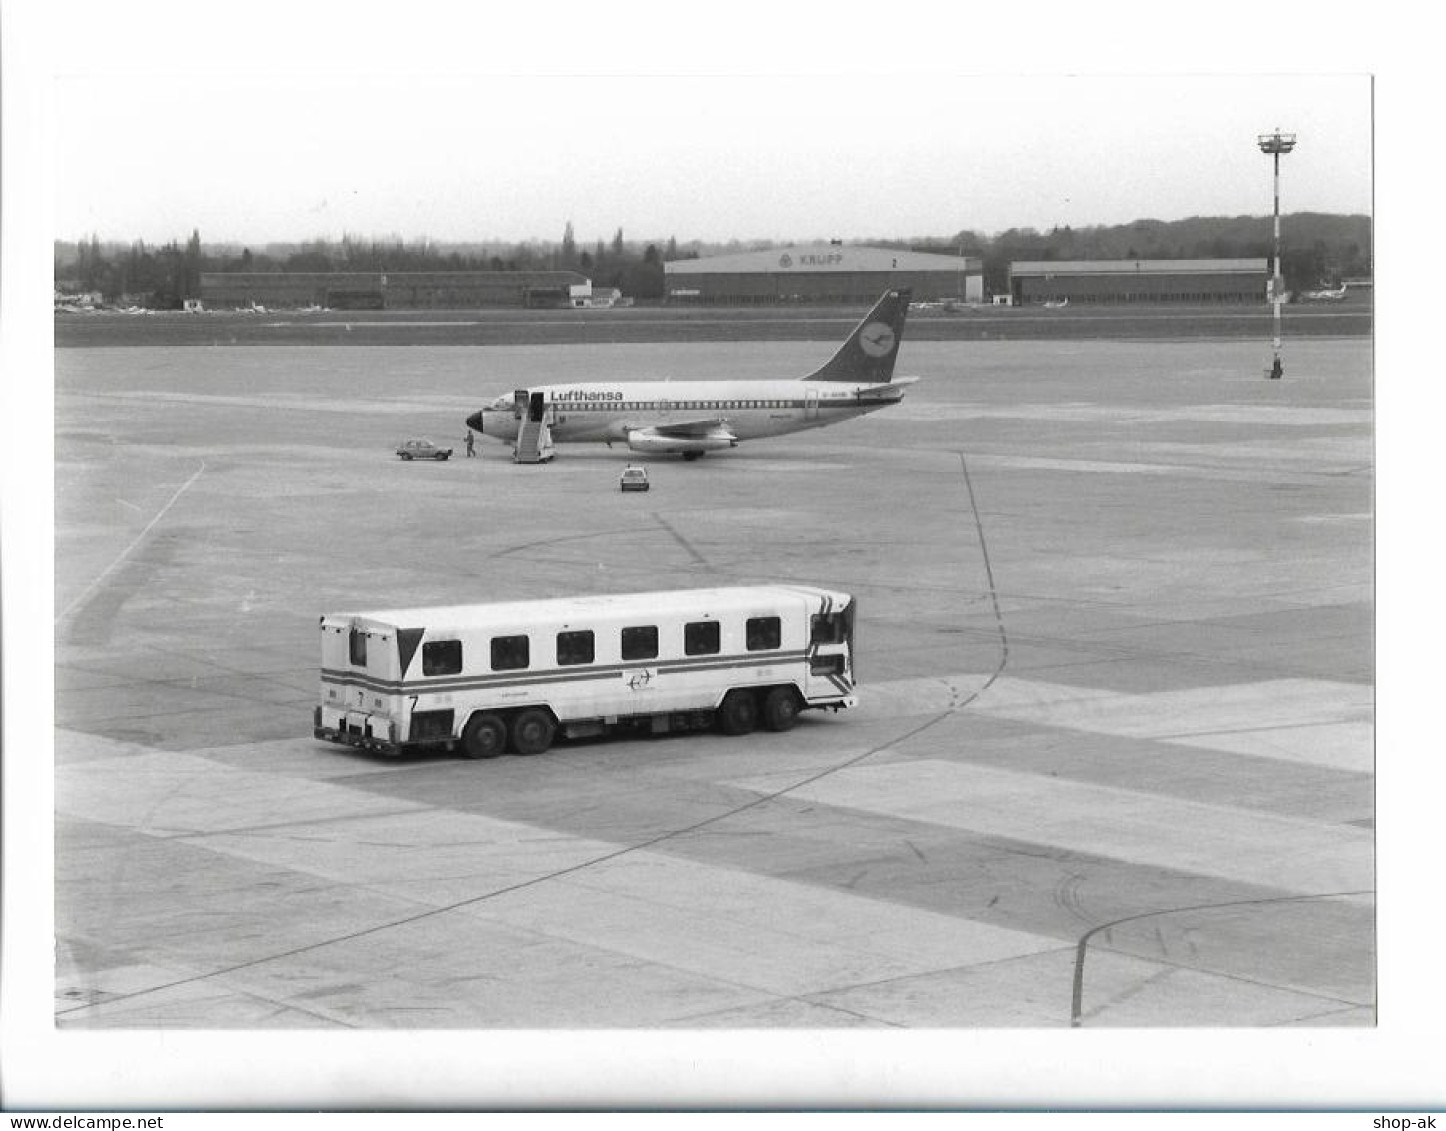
(534,442)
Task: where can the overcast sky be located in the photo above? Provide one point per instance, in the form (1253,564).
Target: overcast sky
(252,130)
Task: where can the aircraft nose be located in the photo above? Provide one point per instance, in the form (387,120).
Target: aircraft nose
(474,421)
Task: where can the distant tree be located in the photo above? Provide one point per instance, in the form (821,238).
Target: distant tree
(618,243)
(191,282)
(645,280)
(569,246)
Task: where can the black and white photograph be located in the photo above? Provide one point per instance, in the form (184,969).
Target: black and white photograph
(578,571)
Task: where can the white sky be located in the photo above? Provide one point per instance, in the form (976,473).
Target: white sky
(255,125)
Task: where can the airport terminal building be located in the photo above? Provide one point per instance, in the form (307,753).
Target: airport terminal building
(822,273)
(1140,280)
(388,290)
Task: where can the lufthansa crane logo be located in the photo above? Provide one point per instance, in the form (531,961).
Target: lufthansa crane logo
(876,339)
(785,261)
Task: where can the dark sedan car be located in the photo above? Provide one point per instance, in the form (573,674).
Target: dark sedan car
(422,449)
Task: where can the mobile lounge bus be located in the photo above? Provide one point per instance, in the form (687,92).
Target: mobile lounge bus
(485,678)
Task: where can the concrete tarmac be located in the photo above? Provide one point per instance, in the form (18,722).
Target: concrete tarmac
(1112,765)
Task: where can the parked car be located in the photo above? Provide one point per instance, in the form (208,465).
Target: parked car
(422,449)
(633,478)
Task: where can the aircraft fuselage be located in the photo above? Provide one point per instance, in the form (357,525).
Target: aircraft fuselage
(689,418)
(608,412)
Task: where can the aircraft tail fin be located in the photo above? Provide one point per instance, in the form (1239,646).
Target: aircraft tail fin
(869,352)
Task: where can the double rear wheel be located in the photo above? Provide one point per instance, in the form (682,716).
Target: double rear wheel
(486,734)
(742,710)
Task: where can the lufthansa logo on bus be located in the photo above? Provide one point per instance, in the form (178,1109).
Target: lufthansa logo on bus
(639,680)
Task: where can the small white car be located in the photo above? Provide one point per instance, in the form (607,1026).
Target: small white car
(422,449)
(633,478)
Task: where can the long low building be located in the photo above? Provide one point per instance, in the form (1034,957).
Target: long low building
(389,290)
(1140,280)
(827,273)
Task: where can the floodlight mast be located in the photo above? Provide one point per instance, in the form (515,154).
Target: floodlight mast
(1275,144)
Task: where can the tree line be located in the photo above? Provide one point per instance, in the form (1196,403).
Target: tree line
(1315,248)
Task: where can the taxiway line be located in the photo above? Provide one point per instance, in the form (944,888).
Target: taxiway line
(139,538)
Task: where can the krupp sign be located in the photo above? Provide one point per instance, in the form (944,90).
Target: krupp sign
(832,259)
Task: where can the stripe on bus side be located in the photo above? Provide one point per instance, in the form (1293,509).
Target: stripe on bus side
(555,675)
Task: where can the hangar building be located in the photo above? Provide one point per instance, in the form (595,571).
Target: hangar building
(389,290)
(826,273)
(1140,280)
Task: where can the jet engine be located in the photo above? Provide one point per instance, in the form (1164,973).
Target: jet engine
(653,442)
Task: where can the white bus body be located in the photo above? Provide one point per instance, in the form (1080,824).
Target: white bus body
(484,678)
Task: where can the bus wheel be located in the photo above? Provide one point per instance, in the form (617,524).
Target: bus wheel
(484,736)
(532,731)
(739,713)
(780,709)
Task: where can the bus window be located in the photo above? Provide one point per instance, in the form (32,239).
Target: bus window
(700,637)
(442,657)
(574,647)
(358,648)
(763,633)
(509,653)
(828,628)
(640,643)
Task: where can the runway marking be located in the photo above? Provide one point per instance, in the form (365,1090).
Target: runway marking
(692,551)
(1146,829)
(139,538)
(1338,746)
(1214,717)
(1312,722)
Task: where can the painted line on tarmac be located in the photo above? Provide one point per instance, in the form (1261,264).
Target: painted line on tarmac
(139,538)
(1076,1013)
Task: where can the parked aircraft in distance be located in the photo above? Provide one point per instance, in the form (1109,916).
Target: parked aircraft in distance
(690,418)
(1326,295)
(1056,304)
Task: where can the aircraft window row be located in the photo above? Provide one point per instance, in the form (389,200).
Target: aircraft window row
(643,406)
(638,642)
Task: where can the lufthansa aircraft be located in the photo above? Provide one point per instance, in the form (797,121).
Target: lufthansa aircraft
(690,418)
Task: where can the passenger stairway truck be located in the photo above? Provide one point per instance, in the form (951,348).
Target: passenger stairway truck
(534,434)
(482,679)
